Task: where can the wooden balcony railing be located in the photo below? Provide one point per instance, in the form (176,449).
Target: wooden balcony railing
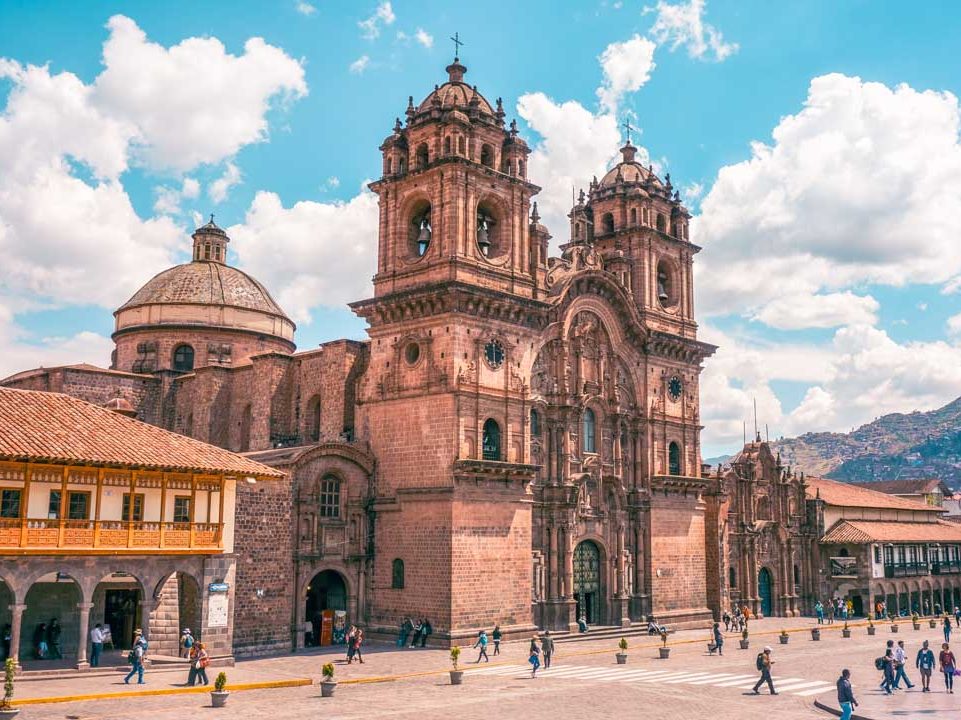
(108,535)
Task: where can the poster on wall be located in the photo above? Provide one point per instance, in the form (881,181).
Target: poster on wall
(844,567)
(217,610)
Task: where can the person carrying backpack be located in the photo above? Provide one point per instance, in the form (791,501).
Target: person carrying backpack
(482,643)
(764,663)
(186,642)
(136,657)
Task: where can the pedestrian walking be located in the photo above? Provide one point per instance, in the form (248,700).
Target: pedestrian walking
(947,629)
(718,639)
(846,695)
(924,662)
(425,632)
(40,647)
(937,609)
(482,644)
(135,658)
(830,612)
(186,642)
(899,659)
(764,663)
(727,621)
(819,611)
(96,642)
(534,656)
(54,630)
(957,616)
(496,637)
(947,663)
(547,648)
(887,667)
(200,658)
(418,629)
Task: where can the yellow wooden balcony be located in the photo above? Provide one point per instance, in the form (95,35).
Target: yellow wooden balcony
(21,536)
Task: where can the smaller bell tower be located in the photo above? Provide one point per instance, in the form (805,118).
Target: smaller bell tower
(455,201)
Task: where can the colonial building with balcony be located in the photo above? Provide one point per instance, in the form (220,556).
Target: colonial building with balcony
(879,547)
(105,519)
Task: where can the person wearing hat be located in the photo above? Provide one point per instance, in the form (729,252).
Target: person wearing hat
(135,657)
(764,663)
(186,642)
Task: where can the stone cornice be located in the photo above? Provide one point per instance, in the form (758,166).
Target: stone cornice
(680,349)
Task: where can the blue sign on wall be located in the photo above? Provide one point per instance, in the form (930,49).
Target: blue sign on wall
(218,587)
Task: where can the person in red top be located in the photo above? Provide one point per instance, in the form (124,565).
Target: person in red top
(948,664)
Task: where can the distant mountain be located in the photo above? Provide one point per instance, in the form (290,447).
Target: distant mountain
(893,447)
(717,460)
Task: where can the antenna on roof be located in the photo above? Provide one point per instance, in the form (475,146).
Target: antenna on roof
(756,433)
(767,436)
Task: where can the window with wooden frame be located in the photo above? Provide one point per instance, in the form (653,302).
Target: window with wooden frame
(78,505)
(182,509)
(53,505)
(10,503)
(136,506)
(330,497)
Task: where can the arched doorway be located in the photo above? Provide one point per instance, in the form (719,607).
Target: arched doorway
(6,618)
(326,598)
(178,608)
(117,606)
(764,591)
(587,581)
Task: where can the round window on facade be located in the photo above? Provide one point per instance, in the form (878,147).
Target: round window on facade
(412,353)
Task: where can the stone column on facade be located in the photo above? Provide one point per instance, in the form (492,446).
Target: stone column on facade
(554,584)
(622,614)
(84,608)
(146,608)
(16,621)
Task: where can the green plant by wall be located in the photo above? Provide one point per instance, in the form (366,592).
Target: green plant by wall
(454,655)
(221,682)
(622,644)
(328,671)
(9,671)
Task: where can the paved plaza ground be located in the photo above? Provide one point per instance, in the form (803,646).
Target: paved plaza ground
(585,682)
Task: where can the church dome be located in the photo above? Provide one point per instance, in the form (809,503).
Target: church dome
(455,93)
(628,170)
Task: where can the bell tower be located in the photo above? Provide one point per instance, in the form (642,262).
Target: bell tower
(459,302)
(454,197)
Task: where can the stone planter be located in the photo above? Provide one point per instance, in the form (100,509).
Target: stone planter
(917,625)
(894,628)
(846,633)
(872,629)
(327,688)
(745,644)
(219,699)
(456,677)
(621,658)
(664,652)
(932,624)
(783,639)
(815,634)
(9,713)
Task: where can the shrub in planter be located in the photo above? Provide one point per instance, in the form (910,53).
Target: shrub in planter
(915,621)
(7,710)
(815,633)
(622,655)
(932,623)
(218,696)
(871,628)
(328,684)
(744,642)
(664,651)
(783,637)
(894,627)
(456,675)
(846,631)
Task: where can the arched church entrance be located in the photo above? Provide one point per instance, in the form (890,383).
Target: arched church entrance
(587,581)
(764,591)
(326,608)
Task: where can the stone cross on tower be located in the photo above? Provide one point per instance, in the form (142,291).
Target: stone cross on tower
(627,128)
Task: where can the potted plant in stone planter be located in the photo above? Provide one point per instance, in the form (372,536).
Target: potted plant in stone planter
(456,675)
(894,626)
(328,684)
(7,710)
(622,655)
(745,643)
(218,696)
(664,652)
(846,631)
(815,633)
(871,628)
(783,637)
(915,621)
(932,622)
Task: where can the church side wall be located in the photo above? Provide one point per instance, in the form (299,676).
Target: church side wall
(678,578)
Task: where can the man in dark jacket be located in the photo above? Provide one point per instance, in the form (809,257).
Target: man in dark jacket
(547,648)
(846,695)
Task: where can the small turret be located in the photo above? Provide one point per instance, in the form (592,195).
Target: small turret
(210,243)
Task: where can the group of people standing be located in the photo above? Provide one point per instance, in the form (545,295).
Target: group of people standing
(354,639)
(736,619)
(892,666)
(835,608)
(46,640)
(416,633)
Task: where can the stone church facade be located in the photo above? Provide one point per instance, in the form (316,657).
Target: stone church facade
(517,441)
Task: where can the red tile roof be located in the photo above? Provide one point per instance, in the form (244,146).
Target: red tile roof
(906,487)
(51,427)
(846,495)
(866,531)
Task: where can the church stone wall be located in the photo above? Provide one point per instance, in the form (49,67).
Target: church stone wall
(678,577)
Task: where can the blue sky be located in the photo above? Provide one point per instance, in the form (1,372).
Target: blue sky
(829,272)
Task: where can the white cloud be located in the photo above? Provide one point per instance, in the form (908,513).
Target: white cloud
(683,24)
(360,64)
(329,250)
(305,8)
(952,286)
(424,38)
(627,66)
(220,188)
(192,103)
(954,325)
(861,186)
(795,312)
(383,15)
(68,230)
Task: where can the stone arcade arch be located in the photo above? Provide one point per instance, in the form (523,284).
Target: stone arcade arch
(52,596)
(179,605)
